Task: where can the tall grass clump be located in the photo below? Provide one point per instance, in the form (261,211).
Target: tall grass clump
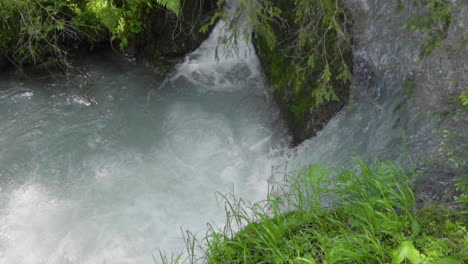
(364,215)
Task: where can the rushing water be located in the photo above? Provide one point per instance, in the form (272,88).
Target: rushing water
(107,165)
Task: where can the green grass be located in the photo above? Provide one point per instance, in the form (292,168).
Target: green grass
(364,215)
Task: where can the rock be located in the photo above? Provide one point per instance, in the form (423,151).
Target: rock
(168,37)
(295,87)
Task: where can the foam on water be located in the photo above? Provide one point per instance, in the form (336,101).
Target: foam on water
(106,167)
(212,68)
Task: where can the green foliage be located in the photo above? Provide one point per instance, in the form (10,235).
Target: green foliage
(125,19)
(453,148)
(435,21)
(321,48)
(463,99)
(172,5)
(33,30)
(300,107)
(218,15)
(364,215)
(305,47)
(462,187)
(406,250)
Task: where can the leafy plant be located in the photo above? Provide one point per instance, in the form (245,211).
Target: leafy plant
(463,99)
(435,22)
(452,147)
(364,215)
(306,46)
(406,251)
(33,31)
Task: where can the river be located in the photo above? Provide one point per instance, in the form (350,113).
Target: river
(108,164)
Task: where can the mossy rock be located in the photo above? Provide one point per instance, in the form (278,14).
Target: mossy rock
(167,36)
(296,79)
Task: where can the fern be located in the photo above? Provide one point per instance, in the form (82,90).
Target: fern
(172,5)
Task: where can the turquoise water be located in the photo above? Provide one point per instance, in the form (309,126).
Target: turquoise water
(108,165)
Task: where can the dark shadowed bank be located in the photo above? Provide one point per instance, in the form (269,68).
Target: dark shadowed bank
(46,34)
(167,36)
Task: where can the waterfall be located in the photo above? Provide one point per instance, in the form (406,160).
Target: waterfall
(385,119)
(107,166)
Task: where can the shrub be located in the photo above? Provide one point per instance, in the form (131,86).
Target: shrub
(33,31)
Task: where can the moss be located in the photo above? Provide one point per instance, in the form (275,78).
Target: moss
(309,87)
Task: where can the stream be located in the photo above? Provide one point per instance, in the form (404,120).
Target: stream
(108,164)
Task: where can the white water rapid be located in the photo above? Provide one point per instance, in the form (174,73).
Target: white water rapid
(108,165)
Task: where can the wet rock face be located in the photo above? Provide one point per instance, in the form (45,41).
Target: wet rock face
(387,61)
(387,64)
(392,53)
(365,75)
(168,37)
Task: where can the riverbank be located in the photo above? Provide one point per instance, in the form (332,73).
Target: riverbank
(366,214)
(107,163)
(47,35)
(407,106)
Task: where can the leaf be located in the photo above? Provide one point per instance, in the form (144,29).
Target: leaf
(326,74)
(406,251)
(124,43)
(345,76)
(309,261)
(448,260)
(463,98)
(415,228)
(311,61)
(172,5)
